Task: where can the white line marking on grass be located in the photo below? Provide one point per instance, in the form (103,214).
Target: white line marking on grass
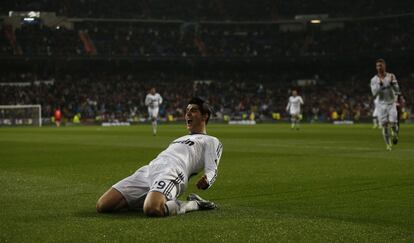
(333,147)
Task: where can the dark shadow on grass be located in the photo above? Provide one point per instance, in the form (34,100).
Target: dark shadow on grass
(123,214)
(403,226)
(128,214)
(353,188)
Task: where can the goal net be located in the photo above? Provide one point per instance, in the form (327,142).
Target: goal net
(21,115)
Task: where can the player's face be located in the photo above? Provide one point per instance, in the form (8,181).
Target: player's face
(194,119)
(380,67)
(152,91)
(294,93)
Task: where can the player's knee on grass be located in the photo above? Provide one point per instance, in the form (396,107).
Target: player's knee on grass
(154,205)
(110,201)
(101,207)
(154,210)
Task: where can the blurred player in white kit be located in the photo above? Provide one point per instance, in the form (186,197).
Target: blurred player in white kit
(294,109)
(156,186)
(153,100)
(384,85)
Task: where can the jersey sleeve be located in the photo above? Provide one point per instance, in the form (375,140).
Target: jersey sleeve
(288,105)
(394,84)
(147,100)
(160,98)
(211,160)
(375,87)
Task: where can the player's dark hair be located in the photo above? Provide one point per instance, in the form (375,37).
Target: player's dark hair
(202,105)
(380,60)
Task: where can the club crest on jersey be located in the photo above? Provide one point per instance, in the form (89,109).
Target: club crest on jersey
(187,141)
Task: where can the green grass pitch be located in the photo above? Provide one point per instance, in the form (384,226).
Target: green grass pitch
(323,183)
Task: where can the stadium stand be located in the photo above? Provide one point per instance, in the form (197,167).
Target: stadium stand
(245,40)
(209,10)
(120,96)
(243,57)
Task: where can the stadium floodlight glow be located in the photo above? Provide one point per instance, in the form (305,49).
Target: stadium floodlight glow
(315,21)
(28,14)
(29,19)
(33,14)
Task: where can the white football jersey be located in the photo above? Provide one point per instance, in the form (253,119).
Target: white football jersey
(376,101)
(387,93)
(294,103)
(194,153)
(153,101)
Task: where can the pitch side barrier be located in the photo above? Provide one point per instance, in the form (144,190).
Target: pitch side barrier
(117,123)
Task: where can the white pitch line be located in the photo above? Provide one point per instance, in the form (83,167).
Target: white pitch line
(331,147)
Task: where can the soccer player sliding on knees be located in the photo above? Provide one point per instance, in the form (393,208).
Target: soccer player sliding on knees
(155,187)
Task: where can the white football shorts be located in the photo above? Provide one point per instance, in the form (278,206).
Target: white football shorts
(375,114)
(153,112)
(387,113)
(154,177)
(294,112)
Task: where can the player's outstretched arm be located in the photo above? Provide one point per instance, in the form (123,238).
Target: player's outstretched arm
(211,161)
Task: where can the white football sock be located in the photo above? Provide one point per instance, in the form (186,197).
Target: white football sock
(395,129)
(154,126)
(293,122)
(177,207)
(386,134)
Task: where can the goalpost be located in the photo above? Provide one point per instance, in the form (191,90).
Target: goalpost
(21,115)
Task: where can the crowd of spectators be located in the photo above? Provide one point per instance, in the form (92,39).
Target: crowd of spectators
(355,38)
(35,40)
(209,10)
(114,96)
(183,35)
(214,40)
(142,39)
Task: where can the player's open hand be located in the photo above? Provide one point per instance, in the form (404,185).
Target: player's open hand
(203,183)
